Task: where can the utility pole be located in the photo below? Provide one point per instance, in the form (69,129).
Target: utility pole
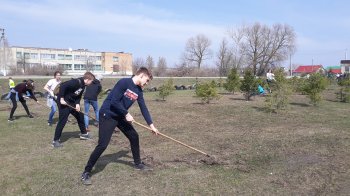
(2,49)
(346,54)
(290,65)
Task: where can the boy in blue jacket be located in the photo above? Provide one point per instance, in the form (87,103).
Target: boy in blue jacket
(114,113)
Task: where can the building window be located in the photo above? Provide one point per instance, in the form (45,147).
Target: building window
(80,57)
(47,56)
(97,67)
(79,67)
(60,56)
(66,66)
(95,58)
(68,57)
(64,57)
(32,65)
(76,66)
(26,55)
(115,59)
(33,56)
(19,55)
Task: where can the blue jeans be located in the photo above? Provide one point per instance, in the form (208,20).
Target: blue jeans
(52,113)
(87,104)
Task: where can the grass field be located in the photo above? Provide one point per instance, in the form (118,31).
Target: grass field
(301,151)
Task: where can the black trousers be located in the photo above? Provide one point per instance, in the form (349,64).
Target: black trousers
(14,104)
(63,112)
(105,131)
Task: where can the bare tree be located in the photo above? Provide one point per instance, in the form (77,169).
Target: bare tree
(90,63)
(224,58)
(149,63)
(161,67)
(238,49)
(22,62)
(123,64)
(182,69)
(137,63)
(197,50)
(263,47)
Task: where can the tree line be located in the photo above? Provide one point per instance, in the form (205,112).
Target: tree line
(258,46)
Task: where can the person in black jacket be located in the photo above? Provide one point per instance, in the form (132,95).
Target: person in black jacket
(70,94)
(17,94)
(114,113)
(90,98)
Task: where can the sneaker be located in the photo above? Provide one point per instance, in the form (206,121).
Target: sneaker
(11,119)
(85,136)
(85,178)
(143,167)
(96,124)
(56,144)
(30,116)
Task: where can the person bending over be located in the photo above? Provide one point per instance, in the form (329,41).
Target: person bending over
(114,113)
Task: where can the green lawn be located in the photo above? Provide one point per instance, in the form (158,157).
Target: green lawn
(301,151)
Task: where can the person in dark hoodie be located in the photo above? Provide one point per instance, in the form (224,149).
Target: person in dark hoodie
(17,94)
(70,93)
(90,98)
(114,113)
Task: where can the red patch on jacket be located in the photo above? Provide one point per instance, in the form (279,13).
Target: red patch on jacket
(131,95)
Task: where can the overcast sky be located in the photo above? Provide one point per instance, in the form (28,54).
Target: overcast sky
(161,28)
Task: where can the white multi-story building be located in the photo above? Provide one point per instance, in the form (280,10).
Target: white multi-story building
(72,62)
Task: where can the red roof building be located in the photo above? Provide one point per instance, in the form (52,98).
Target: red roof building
(334,69)
(307,69)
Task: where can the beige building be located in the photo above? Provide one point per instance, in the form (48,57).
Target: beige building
(73,62)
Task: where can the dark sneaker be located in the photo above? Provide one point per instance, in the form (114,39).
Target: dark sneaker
(85,136)
(85,178)
(11,119)
(143,167)
(56,144)
(96,124)
(30,116)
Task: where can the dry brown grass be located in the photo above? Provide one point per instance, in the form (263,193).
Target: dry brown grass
(301,151)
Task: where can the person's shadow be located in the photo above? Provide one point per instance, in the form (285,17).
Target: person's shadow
(110,158)
(21,116)
(66,135)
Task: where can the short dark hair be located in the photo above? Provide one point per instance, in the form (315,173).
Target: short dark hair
(89,75)
(30,84)
(57,72)
(144,70)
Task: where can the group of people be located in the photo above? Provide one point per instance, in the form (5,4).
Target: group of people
(112,114)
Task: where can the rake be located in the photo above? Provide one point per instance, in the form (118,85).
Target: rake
(148,128)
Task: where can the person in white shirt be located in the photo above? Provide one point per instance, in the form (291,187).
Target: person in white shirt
(270,76)
(49,87)
(270,79)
